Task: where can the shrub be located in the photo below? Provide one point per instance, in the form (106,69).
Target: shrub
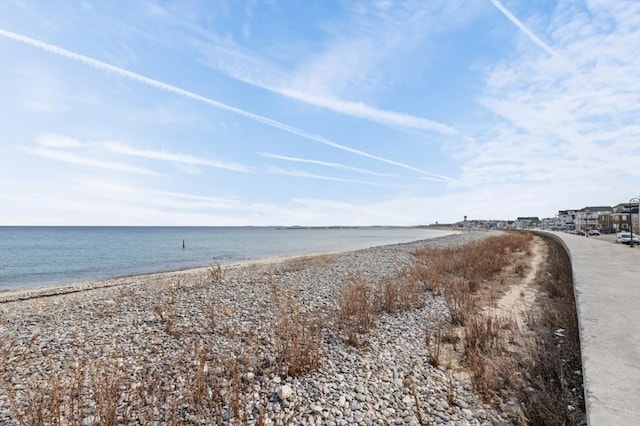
(356,310)
(298,335)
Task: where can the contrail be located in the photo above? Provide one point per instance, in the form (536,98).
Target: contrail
(190,95)
(324,163)
(298,173)
(121,148)
(534,38)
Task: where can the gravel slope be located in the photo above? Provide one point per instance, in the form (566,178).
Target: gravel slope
(123,326)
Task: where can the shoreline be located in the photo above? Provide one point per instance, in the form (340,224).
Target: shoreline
(149,331)
(49,290)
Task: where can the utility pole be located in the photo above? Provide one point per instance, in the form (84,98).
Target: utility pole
(631,201)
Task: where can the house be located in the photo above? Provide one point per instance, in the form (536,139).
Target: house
(566,220)
(623,215)
(588,217)
(548,223)
(526,222)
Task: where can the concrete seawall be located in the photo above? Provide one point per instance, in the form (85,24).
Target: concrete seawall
(606,280)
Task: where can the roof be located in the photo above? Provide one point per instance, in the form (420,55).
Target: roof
(598,209)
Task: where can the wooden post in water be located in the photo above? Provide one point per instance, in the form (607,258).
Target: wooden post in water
(182,244)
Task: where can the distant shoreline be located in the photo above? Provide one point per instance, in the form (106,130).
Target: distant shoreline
(25,293)
(52,256)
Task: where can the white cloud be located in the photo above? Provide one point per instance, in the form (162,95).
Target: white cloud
(375,36)
(325,163)
(307,175)
(362,110)
(58,142)
(124,149)
(191,95)
(571,131)
(69,157)
(523,28)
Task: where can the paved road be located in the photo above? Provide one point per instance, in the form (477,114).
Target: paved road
(607,286)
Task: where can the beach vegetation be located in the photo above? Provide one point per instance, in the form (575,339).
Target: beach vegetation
(216,274)
(297,333)
(219,369)
(540,367)
(357,309)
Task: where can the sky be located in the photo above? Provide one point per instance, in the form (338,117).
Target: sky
(292,112)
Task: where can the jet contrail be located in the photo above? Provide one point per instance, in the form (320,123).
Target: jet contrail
(324,163)
(534,38)
(121,148)
(187,94)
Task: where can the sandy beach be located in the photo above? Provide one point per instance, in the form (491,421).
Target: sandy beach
(148,334)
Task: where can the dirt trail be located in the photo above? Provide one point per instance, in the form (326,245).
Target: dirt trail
(520,297)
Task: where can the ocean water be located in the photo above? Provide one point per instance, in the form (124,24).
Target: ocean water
(39,256)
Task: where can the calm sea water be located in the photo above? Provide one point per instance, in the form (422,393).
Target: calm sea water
(36,256)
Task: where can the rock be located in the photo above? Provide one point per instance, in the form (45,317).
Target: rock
(284,392)
(461,404)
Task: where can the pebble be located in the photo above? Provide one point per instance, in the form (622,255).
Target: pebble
(125,320)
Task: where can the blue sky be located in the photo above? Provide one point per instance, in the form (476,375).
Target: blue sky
(315,112)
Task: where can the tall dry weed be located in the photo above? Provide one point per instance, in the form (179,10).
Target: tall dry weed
(297,333)
(356,310)
(457,296)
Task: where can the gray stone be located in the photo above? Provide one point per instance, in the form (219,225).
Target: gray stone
(284,392)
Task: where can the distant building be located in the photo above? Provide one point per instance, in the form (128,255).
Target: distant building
(548,223)
(526,223)
(589,218)
(623,216)
(566,220)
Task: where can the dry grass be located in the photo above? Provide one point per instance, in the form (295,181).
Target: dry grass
(62,399)
(298,334)
(433,339)
(357,310)
(552,371)
(540,367)
(473,262)
(206,384)
(457,295)
(400,294)
(167,317)
(216,274)
(200,385)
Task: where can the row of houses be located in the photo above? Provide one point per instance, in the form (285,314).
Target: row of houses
(605,219)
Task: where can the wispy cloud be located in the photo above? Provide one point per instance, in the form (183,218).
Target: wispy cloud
(70,157)
(65,148)
(571,132)
(121,148)
(134,194)
(303,174)
(354,109)
(518,23)
(326,164)
(534,38)
(191,95)
(362,110)
(368,43)
(58,141)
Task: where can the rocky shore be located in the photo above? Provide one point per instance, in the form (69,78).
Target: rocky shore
(149,334)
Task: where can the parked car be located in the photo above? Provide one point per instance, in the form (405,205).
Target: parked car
(580,232)
(594,232)
(625,238)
